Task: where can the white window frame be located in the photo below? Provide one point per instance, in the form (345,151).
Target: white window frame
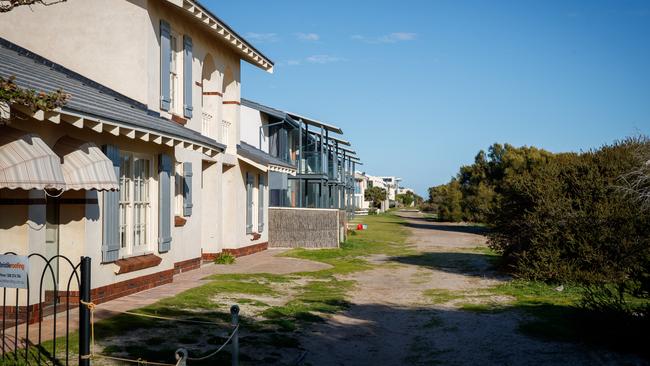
(128,205)
(178,189)
(175,73)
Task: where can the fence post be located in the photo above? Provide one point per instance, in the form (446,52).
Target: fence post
(84,312)
(234,312)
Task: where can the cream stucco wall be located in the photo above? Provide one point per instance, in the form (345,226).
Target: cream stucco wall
(117,43)
(224,80)
(234,204)
(100,39)
(22,227)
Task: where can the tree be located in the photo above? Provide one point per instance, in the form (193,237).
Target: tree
(636,183)
(8,5)
(446,200)
(406,199)
(376,195)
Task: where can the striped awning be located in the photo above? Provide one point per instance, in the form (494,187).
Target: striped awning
(85,166)
(26,162)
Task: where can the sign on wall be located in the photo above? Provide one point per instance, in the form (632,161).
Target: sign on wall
(13,271)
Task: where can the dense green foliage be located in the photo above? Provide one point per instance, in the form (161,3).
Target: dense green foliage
(565,217)
(408,199)
(225,258)
(376,195)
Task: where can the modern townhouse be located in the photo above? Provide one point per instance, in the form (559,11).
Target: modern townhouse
(374,181)
(323,162)
(361,181)
(311,203)
(392,186)
(143,169)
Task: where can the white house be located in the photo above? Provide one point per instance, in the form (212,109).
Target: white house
(154,176)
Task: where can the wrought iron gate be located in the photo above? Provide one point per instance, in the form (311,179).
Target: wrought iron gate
(38,332)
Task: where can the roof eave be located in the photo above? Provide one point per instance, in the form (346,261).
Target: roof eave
(225,33)
(314,122)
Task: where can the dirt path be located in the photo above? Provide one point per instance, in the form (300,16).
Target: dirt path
(392,321)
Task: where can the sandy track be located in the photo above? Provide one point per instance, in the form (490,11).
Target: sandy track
(391,322)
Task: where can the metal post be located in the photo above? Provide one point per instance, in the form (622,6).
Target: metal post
(300,156)
(234,312)
(84,312)
(336,160)
(329,153)
(344,178)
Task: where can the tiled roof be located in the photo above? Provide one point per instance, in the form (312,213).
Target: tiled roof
(88,98)
(261,157)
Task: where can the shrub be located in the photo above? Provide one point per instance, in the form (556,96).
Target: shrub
(225,258)
(565,217)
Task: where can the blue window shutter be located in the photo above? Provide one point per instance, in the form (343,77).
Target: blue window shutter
(165,65)
(260,204)
(111,212)
(187,76)
(164,206)
(249,203)
(187,189)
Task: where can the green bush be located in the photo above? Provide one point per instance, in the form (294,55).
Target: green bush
(564,218)
(569,217)
(225,258)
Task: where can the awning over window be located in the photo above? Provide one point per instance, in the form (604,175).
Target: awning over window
(85,166)
(26,162)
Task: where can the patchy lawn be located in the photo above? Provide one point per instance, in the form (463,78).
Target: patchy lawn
(274,308)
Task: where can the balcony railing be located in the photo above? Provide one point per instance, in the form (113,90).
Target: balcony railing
(312,163)
(206,127)
(224,132)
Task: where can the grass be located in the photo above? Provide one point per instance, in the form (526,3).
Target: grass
(555,315)
(225,258)
(311,297)
(385,235)
(441,296)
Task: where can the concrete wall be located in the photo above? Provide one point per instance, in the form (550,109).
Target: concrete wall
(305,228)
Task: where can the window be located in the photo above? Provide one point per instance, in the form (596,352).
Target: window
(260,203)
(250,181)
(178,190)
(174,71)
(135,203)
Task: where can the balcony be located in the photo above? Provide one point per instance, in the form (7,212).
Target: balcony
(206,126)
(224,132)
(312,163)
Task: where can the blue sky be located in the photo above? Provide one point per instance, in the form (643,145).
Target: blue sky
(420,87)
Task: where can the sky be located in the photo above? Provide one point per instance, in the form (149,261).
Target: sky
(419,87)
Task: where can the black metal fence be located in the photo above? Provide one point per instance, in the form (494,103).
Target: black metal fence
(31,330)
(37,326)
